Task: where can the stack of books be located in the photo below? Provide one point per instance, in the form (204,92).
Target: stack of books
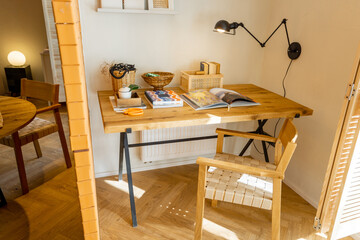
(209,68)
(163,99)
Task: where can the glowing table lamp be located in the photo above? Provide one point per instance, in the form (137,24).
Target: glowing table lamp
(16,58)
(16,71)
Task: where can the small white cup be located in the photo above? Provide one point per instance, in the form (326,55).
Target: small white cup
(124,93)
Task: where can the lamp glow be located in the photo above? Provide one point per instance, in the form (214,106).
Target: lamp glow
(16,58)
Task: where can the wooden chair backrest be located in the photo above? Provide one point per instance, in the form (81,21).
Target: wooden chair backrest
(286,140)
(288,133)
(40,90)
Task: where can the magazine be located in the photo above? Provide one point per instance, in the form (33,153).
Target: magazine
(163,99)
(216,98)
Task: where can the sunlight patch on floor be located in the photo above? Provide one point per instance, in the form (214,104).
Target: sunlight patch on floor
(123,186)
(321,234)
(218,230)
(317,234)
(256,182)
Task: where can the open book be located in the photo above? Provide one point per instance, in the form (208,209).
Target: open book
(216,98)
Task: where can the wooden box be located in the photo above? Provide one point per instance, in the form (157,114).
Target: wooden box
(135,100)
(189,81)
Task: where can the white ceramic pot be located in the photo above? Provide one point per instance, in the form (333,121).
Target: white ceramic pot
(124,93)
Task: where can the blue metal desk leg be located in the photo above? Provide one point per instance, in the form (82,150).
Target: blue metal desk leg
(259,130)
(121,156)
(2,199)
(124,139)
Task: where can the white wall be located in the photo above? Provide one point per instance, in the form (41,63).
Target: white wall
(329,32)
(167,43)
(22,28)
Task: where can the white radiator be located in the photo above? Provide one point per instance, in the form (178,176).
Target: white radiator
(178,150)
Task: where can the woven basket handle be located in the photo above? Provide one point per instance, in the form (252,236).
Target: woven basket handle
(112,73)
(121,67)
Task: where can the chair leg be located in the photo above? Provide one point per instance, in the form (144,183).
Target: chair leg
(37,148)
(214,203)
(276,209)
(62,138)
(20,163)
(200,202)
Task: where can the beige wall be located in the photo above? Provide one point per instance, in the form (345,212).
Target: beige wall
(22,28)
(166,43)
(329,32)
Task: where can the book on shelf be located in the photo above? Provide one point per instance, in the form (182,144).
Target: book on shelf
(216,98)
(210,67)
(163,99)
(217,67)
(120,108)
(204,66)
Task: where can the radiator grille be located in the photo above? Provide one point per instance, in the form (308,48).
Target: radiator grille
(178,150)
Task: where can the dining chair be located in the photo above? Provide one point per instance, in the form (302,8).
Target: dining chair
(39,127)
(244,180)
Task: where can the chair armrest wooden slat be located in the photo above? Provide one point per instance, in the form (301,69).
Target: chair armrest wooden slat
(236,167)
(246,135)
(45,109)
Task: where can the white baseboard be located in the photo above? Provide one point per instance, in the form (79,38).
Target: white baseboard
(296,189)
(150,166)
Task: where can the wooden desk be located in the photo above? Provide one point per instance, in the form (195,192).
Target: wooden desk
(17,113)
(271,106)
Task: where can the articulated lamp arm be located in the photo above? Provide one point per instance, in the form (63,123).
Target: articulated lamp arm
(294,49)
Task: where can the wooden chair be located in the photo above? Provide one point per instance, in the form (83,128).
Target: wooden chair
(244,180)
(38,128)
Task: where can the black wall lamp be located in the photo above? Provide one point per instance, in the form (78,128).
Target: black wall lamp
(293,51)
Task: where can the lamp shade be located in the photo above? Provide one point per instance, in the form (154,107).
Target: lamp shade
(222,26)
(16,58)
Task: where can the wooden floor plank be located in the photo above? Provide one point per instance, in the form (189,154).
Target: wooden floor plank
(165,207)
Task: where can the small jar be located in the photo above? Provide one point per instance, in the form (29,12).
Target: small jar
(124,92)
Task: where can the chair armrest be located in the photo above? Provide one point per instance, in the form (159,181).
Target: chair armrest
(45,109)
(236,167)
(246,135)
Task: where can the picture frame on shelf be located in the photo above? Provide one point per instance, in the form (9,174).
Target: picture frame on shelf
(135,4)
(115,4)
(156,5)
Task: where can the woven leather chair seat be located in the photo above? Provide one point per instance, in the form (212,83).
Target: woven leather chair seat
(36,129)
(240,188)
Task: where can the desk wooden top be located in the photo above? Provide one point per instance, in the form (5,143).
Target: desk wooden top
(16,113)
(272,106)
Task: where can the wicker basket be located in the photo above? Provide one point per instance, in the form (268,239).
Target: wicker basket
(159,82)
(128,79)
(189,81)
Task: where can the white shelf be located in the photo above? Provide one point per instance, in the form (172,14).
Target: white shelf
(117,10)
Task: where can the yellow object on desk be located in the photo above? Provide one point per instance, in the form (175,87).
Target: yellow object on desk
(133,111)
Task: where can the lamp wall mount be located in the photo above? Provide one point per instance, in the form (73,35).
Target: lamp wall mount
(294,48)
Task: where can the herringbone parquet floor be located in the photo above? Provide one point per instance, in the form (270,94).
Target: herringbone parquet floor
(165,204)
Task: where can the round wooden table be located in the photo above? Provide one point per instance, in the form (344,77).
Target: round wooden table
(16,113)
